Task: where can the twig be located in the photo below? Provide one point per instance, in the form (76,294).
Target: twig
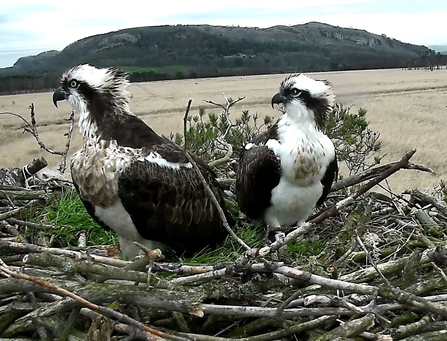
(100,309)
(353,179)
(63,164)
(31,128)
(185,122)
(276,335)
(17,210)
(216,203)
(372,173)
(371,260)
(222,139)
(14,221)
(70,323)
(428,199)
(33,248)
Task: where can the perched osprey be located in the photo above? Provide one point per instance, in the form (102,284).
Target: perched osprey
(288,170)
(132,180)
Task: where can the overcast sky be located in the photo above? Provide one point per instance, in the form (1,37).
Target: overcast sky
(28,27)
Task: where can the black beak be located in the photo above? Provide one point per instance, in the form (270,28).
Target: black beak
(278,98)
(59,95)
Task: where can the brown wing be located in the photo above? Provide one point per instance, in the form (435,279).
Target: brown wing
(259,171)
(328,179)
(170,205)
(262,138)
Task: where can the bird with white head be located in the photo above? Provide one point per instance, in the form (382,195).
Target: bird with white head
(132,180)
(288,170)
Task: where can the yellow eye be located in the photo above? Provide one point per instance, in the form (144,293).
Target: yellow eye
(74,84)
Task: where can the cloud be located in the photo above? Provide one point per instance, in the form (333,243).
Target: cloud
(39,26)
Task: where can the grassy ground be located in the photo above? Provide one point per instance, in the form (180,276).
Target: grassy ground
(170,68)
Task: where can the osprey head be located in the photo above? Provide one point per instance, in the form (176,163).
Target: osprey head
(304,98)
(84,86)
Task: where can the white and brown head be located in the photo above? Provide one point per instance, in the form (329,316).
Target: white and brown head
(304,98)
(95,93)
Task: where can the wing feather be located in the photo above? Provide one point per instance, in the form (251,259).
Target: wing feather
(329,177)
(89,207)
(258,173)
(171,205)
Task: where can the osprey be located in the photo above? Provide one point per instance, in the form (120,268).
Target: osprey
(285,172)
(132,180)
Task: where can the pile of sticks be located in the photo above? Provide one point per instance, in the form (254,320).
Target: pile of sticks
(381,277)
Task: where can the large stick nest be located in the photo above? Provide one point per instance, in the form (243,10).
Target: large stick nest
(380,276)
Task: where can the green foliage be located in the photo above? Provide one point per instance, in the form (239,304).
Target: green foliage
(203,129)
(67,211)
(253,235)
(356,144)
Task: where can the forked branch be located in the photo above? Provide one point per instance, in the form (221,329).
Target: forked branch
(222,139)
(31,128)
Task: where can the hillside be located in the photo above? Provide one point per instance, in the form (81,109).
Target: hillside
(160,52)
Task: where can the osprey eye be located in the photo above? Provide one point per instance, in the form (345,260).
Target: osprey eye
(74,84)
(294,92)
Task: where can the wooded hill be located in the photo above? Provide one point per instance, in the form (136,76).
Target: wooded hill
(190,51)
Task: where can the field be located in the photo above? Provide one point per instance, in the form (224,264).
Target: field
(179,68)
(407,107)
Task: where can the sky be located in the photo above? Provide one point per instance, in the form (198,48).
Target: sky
(30,27)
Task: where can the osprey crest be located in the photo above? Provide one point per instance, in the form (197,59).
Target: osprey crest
(132,180)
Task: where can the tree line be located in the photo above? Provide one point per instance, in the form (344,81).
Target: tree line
(241,66)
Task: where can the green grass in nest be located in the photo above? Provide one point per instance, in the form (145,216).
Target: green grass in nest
(66,210)
(253,236)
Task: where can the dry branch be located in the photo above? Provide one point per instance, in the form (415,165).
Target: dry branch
(221,139)
(103,310)
(17,177)
(372,173)
(31,128)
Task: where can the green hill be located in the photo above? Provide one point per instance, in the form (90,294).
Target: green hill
(160,52)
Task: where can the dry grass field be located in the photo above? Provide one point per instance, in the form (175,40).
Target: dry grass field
(408,108)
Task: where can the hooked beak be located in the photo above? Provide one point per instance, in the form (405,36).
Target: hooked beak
(59,95)
(278,98)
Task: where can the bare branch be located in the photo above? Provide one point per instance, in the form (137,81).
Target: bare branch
(221,139)
(31,128)
(216,203)
(100,309)
(372,173)
(185,122)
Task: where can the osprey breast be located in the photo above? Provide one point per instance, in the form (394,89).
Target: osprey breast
(93,169)
(307,163)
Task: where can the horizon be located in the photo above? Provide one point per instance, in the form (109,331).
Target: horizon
(27,28)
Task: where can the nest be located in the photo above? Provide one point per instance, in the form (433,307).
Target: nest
(380,277)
